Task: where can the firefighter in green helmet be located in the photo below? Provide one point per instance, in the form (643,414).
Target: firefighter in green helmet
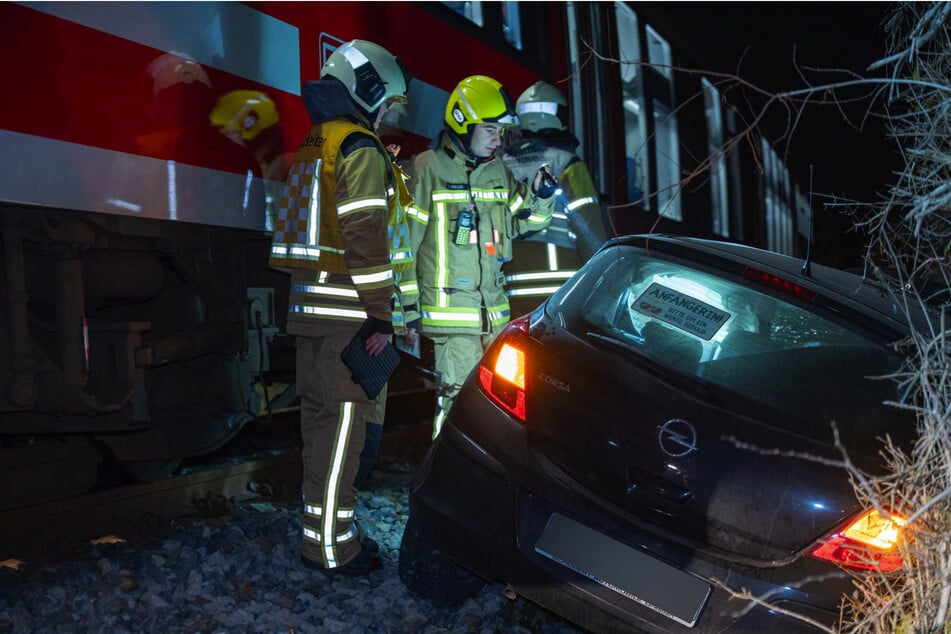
(544,260)
(341,233)
(468,208)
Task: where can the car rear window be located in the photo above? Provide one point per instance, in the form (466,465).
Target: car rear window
(721,329)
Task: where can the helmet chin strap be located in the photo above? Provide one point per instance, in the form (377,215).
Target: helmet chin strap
(373,118)
(370,116)
(463,143)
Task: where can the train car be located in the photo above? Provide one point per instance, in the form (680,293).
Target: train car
(143,146)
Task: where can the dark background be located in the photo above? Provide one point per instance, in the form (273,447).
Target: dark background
(779,46)
(764,43)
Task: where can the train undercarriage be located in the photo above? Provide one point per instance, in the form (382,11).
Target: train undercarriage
(126,339)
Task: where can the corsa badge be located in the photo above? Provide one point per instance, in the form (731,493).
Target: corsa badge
(555,383)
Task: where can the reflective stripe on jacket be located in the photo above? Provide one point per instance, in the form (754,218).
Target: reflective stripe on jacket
(459,271)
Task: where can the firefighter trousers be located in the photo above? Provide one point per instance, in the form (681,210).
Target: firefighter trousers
(455,357)
(334,411)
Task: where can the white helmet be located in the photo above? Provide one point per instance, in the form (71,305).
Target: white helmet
(542,106)
(370,73)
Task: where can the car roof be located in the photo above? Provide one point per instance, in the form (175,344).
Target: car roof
(842,287)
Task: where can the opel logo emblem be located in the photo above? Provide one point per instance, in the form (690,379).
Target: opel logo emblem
(677,438)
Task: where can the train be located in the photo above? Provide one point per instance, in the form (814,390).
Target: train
(144,145)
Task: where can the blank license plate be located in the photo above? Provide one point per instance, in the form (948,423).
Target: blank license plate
(625,570)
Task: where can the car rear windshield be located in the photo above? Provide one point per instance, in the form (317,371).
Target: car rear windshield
(720,328)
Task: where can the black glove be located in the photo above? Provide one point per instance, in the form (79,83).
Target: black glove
(373,325)
(548,185)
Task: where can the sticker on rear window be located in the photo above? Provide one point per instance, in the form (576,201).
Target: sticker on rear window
(681,311)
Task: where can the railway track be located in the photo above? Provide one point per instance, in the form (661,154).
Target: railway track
(261,465)
(49,529)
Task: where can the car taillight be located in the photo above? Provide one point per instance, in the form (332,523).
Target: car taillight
(502,369)
(867,543)
(780,284)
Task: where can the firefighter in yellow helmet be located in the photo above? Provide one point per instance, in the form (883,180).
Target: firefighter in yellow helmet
(341,233)
(544,260)
(467,210)
(250,118)
(243,114)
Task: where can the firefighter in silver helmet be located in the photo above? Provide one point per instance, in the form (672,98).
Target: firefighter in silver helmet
(341,233)
(467,210)
(544,260)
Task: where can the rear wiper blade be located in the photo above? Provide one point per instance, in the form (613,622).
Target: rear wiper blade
(626,345)
(621,341)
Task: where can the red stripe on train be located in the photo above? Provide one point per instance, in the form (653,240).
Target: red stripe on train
(81,85)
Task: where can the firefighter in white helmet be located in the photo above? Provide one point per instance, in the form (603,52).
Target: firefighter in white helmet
(341,233)
(467,209)
(544,260)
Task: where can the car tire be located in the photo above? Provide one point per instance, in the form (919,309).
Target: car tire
(430,574)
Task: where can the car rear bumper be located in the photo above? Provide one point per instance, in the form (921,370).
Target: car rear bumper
(467,500)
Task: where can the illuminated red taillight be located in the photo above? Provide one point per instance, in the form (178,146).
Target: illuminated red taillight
(502,369)
(779,284)
(867,543)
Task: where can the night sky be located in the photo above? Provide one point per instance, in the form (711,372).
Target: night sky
(764,42)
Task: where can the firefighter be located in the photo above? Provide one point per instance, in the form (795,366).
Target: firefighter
(544,260)
(341,234)
(467,209)
(250,118)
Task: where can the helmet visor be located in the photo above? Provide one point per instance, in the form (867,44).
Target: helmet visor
(506,119)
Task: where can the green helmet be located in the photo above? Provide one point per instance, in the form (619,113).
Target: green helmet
(478,99)
(370,73)
(542,106)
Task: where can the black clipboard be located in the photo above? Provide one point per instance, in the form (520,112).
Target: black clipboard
(370,372)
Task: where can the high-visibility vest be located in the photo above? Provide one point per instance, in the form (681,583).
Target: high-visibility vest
(308,239)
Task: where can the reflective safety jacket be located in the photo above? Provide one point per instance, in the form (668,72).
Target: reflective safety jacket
(464,216)
(543,261)
(342,232)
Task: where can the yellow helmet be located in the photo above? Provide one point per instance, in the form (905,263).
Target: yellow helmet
(479,99)
(247,112)
(541,107)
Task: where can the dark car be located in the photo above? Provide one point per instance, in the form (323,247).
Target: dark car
(660,437)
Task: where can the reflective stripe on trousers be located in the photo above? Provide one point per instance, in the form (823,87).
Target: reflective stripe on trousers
(334,411)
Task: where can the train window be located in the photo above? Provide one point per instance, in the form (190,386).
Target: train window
(668,162)
(667,139)
(803,213)
(718,189)
(778,201)
(471,11)
(577,116)
(632,96)
(512,24)
(658,53)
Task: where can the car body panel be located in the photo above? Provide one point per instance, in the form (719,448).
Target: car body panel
(660,474)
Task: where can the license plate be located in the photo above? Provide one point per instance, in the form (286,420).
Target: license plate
(625,570)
